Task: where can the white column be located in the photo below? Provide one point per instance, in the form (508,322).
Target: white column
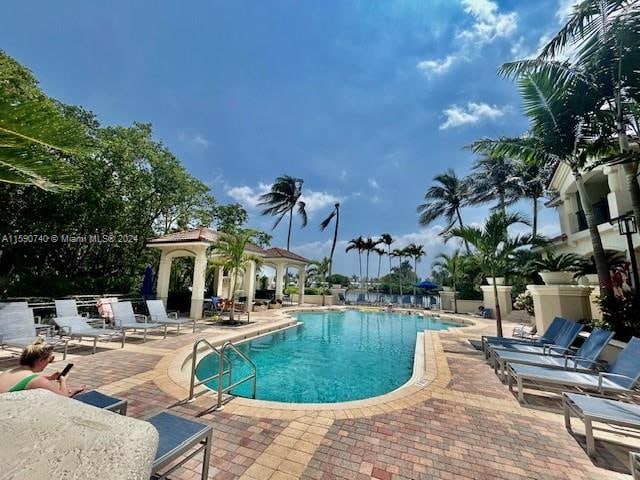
(301,279)
(279,280)
(250,284)
(220,281)
(164,274)
(567,301)
(504,299)
(197,289)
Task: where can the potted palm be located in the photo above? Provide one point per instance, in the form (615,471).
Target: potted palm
(587,271)
(558,269)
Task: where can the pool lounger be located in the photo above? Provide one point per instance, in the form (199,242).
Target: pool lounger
(177,436)
(560,346)
(634,460)
(100,400)
(620,377)
(596,409)
(159,314)
(550,334)
(124,319)
(584,359)
(77,327)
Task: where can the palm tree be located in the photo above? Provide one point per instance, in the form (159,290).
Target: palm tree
(452,267)
(562,130)
(230,248)
(357,244)
(368,246)
(282,199)
(381,253)
(318,270)
(493,179)
(387,239)
(416,252)
(445,199)
(531,179)
(493,248)
(325,223)
(399,253)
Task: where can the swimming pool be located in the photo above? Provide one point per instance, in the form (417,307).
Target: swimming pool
(331,357)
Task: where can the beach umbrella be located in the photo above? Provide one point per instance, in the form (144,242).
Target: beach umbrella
(147,283)
(427,285)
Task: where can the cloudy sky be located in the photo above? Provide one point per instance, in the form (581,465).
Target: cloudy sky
(365,100)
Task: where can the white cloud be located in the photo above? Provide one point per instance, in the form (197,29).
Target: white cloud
(373,183)
(473,113)
(249,197)
(565,8)
(489,23)
(437,66)
(193,139)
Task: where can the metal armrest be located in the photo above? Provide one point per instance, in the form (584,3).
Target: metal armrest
(46,328)
(139,316)
(549,348)
(581,359)
(173,314)
(602,375)
(64,328)
(99,321)
(85,315)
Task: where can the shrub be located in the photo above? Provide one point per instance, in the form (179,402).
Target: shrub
(565,262)
(524,301)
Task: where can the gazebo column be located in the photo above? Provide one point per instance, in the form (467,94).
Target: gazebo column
(301,280)
(279,280)
(164,274)
(219,281)
(250,284)
(197,289)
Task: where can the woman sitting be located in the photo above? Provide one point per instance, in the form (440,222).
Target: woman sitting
(33,360)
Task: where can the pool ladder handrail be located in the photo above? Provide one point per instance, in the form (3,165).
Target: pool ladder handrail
(220,351)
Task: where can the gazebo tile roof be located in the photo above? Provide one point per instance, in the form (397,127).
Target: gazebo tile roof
(276,252)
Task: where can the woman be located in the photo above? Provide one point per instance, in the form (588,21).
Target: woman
(33,360)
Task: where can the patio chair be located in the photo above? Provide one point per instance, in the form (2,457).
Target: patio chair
(603,410)
(158,314)
(342,299)
(561,344)
(18,328)
(177,436)
(105,402)
(634,460)
(584,359)
(125,319)
(621,376)
(406,300)
(360,300)
(77,327)
(549,335)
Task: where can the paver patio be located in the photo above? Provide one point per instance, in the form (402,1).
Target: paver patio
(460,423)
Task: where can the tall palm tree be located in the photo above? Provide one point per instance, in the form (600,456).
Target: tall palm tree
(452,267)
(494,180)
(493,247)
(381,253)
(357,244)
(325,223)
(387,240)
(230,249)
(318,270)
(445,199)
(282,199)
(531,179)
(416,252)
(368,246)
(399,253)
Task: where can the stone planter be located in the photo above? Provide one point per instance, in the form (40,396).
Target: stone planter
(592,279)
(274,306)
(259,308)
(446,289)
(499,280)
(557,278)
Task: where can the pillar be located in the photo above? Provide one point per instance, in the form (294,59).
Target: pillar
(596,311)
(250,284)
(567,301)
(197,288)
(301,279)
(164,275)
(619,198)
(279,280)
(446,299)
(504,299)
(219,281)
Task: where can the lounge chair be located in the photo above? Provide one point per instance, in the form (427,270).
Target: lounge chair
(560,345)
(77,327)
(18,328)
(621,376)
(360,299)
(342,299)
(406,300)
(100,400)
(596,409)
(125,319)
(634,460)
(177,436)
(158,314)
(68,308)
(524,331)
(584,359)
(549,335)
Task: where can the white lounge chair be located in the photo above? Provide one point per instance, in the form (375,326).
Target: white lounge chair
(18,328)
(77,327)
(596,409)
(125,319)
(158,314)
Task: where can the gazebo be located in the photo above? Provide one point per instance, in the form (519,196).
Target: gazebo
(195,243)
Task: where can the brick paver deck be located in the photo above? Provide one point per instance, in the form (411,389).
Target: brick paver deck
(459,423)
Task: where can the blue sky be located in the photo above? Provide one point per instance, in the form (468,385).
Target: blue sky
(366,100)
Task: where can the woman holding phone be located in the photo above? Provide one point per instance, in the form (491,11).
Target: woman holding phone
(33,360)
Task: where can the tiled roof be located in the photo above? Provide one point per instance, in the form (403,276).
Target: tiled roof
(282,253)
(193,235)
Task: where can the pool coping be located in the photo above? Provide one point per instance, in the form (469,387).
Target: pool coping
(430,369)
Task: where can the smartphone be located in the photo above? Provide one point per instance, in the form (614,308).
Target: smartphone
(66,369)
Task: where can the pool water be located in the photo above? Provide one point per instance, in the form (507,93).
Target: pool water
(331,357)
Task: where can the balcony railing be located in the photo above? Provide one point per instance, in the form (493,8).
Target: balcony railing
(600,212)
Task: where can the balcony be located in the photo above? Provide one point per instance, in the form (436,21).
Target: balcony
(600,212)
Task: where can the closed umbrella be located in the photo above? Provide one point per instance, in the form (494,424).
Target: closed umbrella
(147,283)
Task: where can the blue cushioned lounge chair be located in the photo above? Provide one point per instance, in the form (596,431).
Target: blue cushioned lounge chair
(560,345)
(621,376)
(549,336)
(583,359)
(100,400)
(596,409)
